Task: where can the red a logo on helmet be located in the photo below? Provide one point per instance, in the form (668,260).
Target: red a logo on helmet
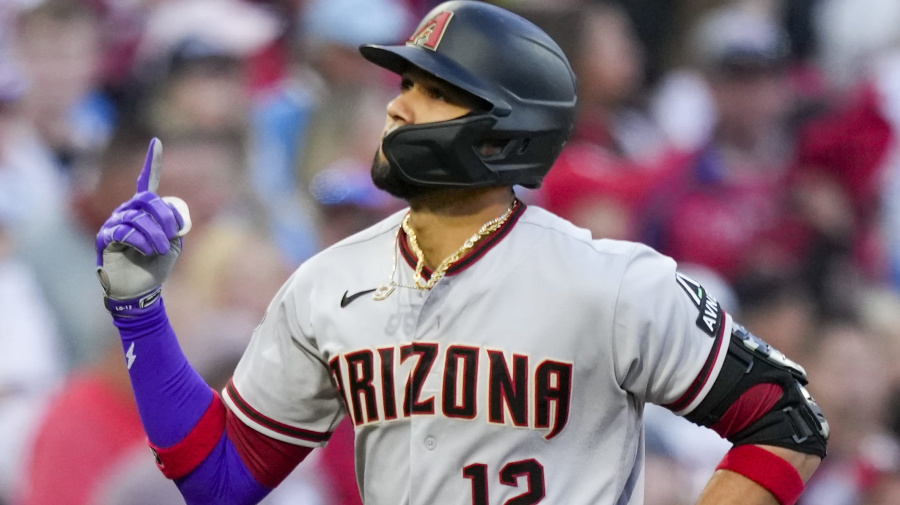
(431,33)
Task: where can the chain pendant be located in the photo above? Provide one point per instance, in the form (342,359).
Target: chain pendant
(383,292)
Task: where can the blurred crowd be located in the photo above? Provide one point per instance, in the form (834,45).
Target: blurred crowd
(757,142)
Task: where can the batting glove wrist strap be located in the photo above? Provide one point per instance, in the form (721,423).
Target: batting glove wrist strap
(135,307)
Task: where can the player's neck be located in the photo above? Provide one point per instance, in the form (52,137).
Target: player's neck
(443,221)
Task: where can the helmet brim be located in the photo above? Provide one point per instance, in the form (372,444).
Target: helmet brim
(399,58)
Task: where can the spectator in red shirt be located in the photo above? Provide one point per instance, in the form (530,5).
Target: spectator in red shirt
(729,210)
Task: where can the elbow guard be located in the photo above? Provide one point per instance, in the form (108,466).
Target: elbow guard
(759,398)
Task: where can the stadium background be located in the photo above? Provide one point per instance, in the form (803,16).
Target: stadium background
(755,141)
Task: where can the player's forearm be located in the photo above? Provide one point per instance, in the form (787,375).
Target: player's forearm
(730,488)
(184,419)
(171,396)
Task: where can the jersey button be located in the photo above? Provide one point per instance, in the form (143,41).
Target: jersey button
(430,443)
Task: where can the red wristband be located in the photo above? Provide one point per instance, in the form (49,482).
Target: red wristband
(182,458)
(766,469)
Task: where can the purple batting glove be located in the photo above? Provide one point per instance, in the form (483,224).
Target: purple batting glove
(139,243)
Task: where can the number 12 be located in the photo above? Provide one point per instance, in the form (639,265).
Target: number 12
(509,476)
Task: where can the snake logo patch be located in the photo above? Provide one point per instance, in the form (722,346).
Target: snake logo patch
(431,33)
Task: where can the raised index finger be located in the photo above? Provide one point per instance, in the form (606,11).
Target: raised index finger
(152,171)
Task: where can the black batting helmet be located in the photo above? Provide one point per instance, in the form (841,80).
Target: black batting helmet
(506,61)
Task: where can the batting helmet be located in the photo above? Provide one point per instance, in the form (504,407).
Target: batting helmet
(506,61)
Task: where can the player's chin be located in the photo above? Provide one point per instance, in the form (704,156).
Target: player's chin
(380,170)
(386,178)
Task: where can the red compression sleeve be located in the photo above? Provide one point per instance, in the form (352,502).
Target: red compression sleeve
(766,469)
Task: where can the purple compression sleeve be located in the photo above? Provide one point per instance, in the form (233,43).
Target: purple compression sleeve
(171,395)
(171,398)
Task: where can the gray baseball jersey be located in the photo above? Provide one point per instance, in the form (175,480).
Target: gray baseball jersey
(519,378)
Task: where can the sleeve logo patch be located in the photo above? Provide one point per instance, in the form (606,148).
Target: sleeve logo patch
(710,315)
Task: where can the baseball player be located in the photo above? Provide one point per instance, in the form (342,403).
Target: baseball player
(487,352)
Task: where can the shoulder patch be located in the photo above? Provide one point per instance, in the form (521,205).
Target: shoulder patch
(710,315)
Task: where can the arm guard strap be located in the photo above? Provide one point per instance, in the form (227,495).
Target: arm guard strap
(793,421)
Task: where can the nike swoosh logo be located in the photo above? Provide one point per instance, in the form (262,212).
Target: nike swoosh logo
(345,300)
(148,301)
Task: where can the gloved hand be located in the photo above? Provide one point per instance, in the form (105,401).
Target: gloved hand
(138,245)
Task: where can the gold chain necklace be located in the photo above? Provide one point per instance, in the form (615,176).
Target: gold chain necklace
(420,283)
